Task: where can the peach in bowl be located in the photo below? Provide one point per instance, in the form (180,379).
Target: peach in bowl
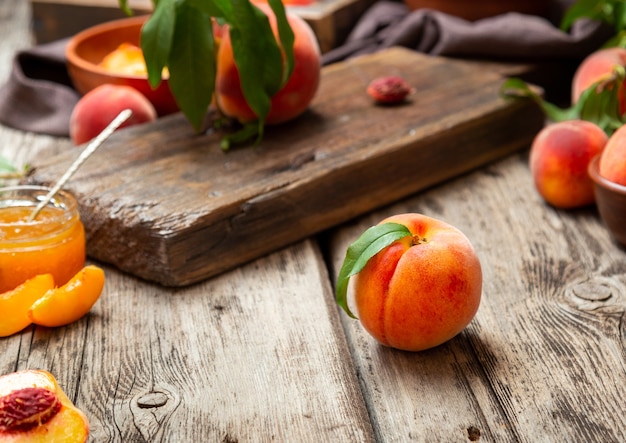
(87,50)
(610,200)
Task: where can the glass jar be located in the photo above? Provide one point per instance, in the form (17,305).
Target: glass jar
(54,242)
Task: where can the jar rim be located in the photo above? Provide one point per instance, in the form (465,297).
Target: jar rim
(31,196)
(62,199)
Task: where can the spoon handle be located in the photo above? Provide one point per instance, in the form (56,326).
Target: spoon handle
(90,149)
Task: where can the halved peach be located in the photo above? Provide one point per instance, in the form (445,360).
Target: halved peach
(14,304)
(66,304)
(34,408)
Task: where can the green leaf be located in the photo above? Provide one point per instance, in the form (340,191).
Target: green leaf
(517,88)
(286,37)
(192,63)
(156,39)
(599,104)
(593,9)
(370,243)
(214,8)
(257,56)
(612,12)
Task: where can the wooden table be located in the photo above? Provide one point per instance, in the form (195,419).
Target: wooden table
(262,353)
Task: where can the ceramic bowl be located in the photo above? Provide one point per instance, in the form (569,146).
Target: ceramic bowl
(611,202)
(478,9)
(86,50)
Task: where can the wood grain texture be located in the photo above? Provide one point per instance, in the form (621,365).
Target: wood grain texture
(544,359)
(254,355)
(260,353)
(167,205)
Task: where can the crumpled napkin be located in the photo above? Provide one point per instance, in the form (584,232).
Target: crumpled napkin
(39,96)
(510,36)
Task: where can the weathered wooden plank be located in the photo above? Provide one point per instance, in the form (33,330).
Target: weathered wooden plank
(169,206)
(254,355)
(544,358)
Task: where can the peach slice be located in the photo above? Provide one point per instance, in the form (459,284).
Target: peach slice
(15,304)
(66,304)
(34,409)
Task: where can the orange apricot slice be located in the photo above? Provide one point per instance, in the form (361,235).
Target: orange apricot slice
(66,304)
(14,304)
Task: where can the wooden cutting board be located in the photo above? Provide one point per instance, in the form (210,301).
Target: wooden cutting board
(166,204)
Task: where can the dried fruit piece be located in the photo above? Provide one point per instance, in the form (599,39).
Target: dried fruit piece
(389,90)
(25,408)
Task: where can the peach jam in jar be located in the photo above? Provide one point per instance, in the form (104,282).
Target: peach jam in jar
(53,243)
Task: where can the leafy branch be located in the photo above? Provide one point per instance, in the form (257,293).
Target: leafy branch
(179,35)
(600,103)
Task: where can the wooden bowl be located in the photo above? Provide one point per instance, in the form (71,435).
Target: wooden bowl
(86,50)
(611,202)
(478,9)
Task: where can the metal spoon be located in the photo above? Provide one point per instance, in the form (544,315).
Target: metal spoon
(90,149)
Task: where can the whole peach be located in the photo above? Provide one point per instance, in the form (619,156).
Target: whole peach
(294,98)
(422,290)
(96,109)
(613,158)
(595,67)
(559,158)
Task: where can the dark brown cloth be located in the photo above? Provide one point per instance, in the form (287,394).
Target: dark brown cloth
(509,36)
(39,96)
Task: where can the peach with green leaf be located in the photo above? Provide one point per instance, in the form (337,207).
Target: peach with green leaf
(261,59)
(597,67)
(289,99)
(417,281)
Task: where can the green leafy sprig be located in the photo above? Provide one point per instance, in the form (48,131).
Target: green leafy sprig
(370,243)
(179,35)
(600,103)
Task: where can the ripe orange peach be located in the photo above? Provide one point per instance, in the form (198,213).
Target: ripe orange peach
(597,66)
(294,98)
(421,290)
(34,408)
(559,158)
(96,109)
(612,164)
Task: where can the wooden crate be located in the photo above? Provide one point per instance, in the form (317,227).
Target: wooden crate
(331,20)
